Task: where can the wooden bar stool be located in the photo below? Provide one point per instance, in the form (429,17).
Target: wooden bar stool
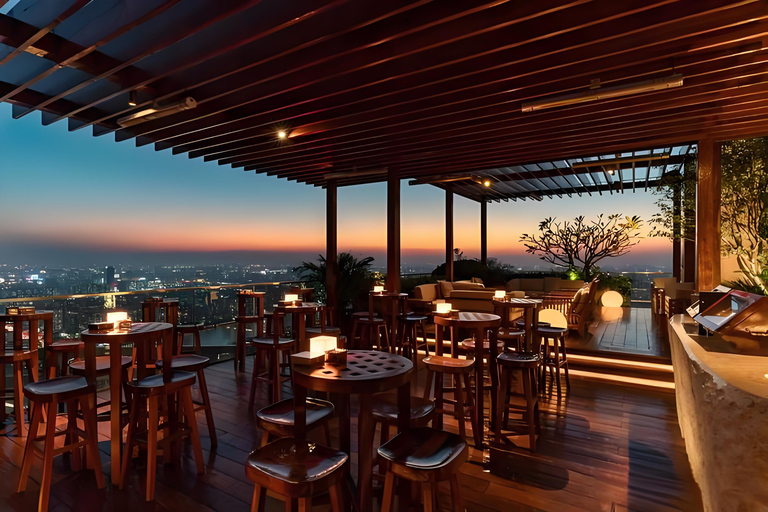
(463,402)
(196,364)
(384,411)
(278,419)
(146,395)
(409,343)
(428,456)
(370,331)
(50,393)
(20,359)
(192,329)
(527,365)
(63,349)
(102,369)
(243,319)
(513,338)
(554,355)
(271,349)
(297,470)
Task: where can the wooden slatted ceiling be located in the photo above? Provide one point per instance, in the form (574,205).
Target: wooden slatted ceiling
(429,87)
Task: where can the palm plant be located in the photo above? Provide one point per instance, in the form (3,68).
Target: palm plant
(355,278)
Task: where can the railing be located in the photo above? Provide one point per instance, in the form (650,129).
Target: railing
(641,286)
(213,306)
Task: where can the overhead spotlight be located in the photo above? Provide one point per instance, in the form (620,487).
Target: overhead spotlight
(282,134)
(132,101)
(156,111)
(486,182)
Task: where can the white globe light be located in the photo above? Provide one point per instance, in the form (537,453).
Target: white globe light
(612,299)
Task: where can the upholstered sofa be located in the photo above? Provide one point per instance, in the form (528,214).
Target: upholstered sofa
(668,297)
(463,295)
(542,285)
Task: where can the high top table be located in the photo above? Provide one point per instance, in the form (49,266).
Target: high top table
(366,372)
(530,309)
(478,324)
(243,296)
(142,336)
(300,313)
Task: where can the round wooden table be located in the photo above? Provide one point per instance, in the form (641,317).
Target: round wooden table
(531,309)
(142,336)
(366,372)
(299,314)
(478,324)
(393,308)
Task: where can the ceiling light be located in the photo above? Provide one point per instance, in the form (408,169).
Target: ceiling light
(156,111)
(486,182)
(600,93)
(132,98)
(281,134)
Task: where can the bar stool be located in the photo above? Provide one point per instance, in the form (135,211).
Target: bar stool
(369,329)
(196,364)
(20,359)
(297,470)
(147,393)
(325,328)
(278,419)
(50,393)
(470,349)
(554,355)
(428,456)
(193,329)
(513,338)
(526,364)
(384,410)
(102,369)
(409,339)
(463,402)
(242,342)
(61,348)
(271,348)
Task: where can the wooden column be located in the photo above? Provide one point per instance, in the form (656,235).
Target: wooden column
(688,255)
(331,250)
(449,232)
(484,232)
(393,230)
(677,232)
(708,216)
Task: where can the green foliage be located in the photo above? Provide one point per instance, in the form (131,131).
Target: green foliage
(584,242)
(747,286)
(355,278)
(495,274)
(674,185)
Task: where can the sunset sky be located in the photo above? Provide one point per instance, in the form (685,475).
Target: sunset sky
(69,195)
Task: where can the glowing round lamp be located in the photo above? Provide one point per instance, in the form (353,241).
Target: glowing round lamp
(612,299)
(554,318)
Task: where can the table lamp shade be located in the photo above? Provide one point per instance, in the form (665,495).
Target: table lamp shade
(378,289)
(291,297)
(116,317)
(321,344)
(443,308)
(499,294)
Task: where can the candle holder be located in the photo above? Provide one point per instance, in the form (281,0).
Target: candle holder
(337,356)
(11,310)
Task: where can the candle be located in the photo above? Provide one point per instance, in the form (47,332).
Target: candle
(319,345)
(443,308)
(116,317)
(378,289)
(500,294)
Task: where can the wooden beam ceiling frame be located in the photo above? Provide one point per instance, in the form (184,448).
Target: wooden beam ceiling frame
(168,40)
(41,32)
(621,116)
(560,173)
(530,118)
(578,177)
(72,59)
(473,125)
(592,189)
(468,156)
(516,150)
(395,61)
(338,23)
(579,84)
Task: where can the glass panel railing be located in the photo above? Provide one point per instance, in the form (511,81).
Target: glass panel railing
(213,306)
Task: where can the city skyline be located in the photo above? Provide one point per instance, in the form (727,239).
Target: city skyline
(88,200)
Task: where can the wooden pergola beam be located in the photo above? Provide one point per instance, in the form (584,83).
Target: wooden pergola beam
(708,195)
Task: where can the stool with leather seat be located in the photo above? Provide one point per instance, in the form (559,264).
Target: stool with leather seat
(427,456)
(271,349)
(526,365)
(463,402)
(277,420)
(102,369)
(297,470)
(73,391)
(554,355)
(63,349)
(192,329)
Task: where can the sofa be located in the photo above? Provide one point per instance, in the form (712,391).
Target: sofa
(668,297)
(463,295)
(543,285)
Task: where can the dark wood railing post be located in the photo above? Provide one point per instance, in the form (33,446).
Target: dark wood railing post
(708,192)
(393,230)
(449,232)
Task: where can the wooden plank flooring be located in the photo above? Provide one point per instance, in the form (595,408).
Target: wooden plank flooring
(602,448)
(622,330)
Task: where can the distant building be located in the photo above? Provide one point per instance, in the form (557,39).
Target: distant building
(109,279)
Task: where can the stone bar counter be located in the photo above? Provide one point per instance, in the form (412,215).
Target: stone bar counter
(722,405)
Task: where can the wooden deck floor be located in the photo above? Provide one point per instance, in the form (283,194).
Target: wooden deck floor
(622,330)
(603,448)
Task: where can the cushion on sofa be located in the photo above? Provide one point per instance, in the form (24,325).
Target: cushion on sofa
(446,287)
(512,284)
(516,294)
(467,285)
(532,285)
(472,294)
(426,291)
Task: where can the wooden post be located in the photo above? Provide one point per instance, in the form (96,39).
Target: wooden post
(677,233)
(708,192)
(484,232)
(688,255)
(449,232)
(393,230)
(331,250)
